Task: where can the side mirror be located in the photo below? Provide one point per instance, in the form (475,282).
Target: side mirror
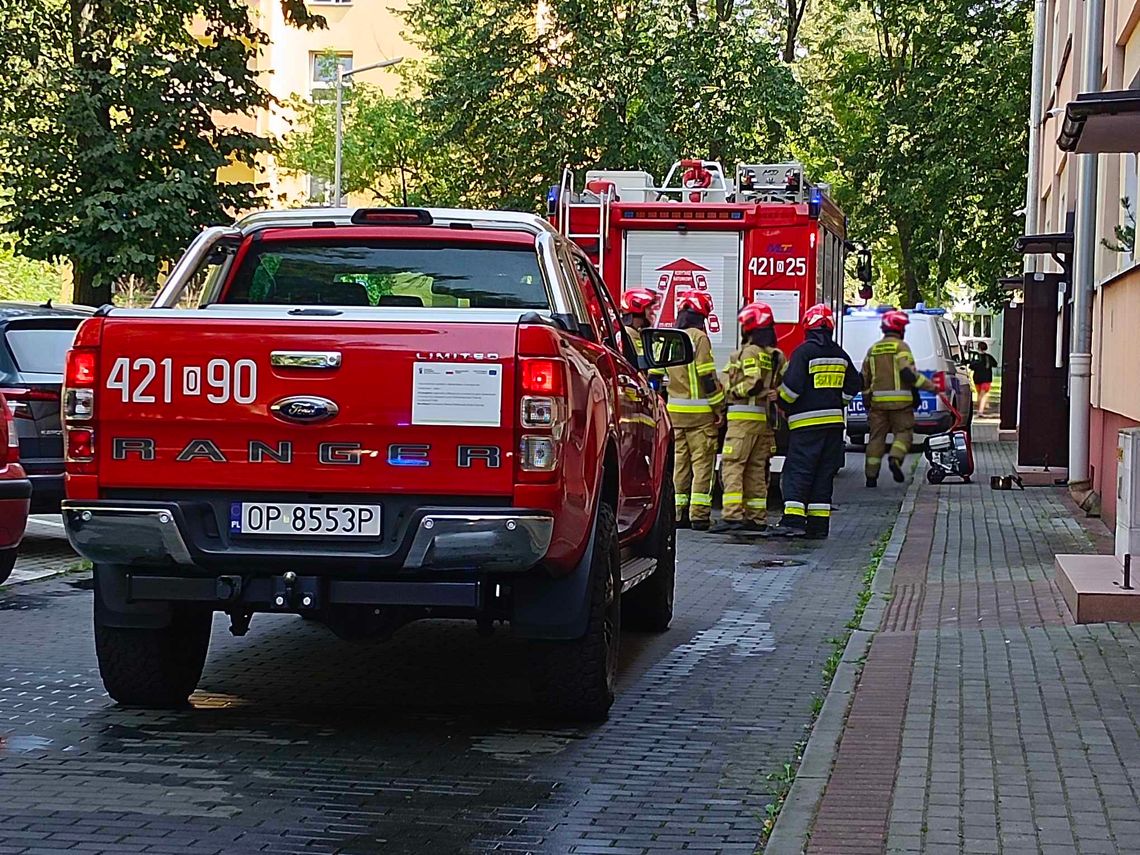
(863,266)
(665,348)
(866,292)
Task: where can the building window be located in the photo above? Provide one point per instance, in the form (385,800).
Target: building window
(975,326)
(320,191)
(323,73)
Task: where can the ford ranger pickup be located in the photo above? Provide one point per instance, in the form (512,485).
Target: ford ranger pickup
(368,417)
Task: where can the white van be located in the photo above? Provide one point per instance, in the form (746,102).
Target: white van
(936,348)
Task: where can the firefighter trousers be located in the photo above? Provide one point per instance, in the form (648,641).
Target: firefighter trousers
(899,423)
(815,456)
(744,470)
(694,456)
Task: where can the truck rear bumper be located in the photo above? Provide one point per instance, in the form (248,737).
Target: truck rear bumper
(154,534)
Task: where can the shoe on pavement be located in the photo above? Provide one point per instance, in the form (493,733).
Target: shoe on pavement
(699,525)
(727,527)
(784,531)
(872,482)
(755,527)
(683,520)
(896,470)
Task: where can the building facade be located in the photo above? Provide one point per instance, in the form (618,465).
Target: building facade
(1115,394)
(299,62)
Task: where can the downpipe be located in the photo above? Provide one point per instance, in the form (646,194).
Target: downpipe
(1080,389)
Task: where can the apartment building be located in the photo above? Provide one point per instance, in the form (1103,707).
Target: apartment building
(1071,124)
(297,62)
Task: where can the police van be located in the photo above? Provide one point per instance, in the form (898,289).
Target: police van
(936,348)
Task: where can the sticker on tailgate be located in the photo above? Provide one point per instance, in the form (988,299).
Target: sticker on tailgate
(454,393)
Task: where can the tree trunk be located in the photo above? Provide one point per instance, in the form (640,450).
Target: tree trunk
(86,292)
(912,292)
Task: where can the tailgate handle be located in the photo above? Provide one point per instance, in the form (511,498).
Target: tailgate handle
(315,359)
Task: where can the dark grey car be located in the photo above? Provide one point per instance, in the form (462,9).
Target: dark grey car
(35,344)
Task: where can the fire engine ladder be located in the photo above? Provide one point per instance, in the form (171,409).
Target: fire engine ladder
(568,201)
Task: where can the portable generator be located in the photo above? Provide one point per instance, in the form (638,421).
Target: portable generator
(950,453)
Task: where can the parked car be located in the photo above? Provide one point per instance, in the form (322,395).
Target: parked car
(373,417)
(937,350)
(15,492)
(35,344)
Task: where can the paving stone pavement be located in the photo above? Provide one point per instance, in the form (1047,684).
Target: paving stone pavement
(300,742)
(1019,733)
(44,551)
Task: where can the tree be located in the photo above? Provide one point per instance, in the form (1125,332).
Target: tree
(621,83)
(110,136)
(385,151)
(922,132)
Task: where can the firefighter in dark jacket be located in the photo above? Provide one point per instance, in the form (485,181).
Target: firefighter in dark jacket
(637,314)
(819,381)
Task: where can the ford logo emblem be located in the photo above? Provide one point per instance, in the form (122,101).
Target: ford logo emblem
(304,409)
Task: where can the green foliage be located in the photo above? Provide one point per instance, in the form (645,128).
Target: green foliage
(110,136)
(26,280)
(922,132)
(1125,234)
(385,154)
(619,83)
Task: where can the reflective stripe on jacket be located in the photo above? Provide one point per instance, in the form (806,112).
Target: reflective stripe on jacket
(695,393)
(819,381)
(752,372)
(884,385)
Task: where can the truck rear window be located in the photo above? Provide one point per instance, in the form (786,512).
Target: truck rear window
(388,273)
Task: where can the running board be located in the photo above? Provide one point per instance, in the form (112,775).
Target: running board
(635,570)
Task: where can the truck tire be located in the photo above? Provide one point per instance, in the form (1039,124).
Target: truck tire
(649,606)
(575,679)
(7,563)
(154,668)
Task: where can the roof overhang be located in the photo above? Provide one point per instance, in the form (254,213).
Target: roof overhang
(1012,283)
(1060,243)
(1101,122)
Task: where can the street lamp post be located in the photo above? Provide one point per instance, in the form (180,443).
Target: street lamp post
(341,74)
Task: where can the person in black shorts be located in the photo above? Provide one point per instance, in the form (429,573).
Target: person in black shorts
(982,365)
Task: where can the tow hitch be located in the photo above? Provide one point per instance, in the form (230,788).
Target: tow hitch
(296,593)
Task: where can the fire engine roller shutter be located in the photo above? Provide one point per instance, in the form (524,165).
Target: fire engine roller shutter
(670,262)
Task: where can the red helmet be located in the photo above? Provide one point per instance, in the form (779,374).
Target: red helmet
(638,301)
(894,321)
(819,315)
(756,315)
(699,301)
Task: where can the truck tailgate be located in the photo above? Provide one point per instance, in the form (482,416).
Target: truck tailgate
(306,404)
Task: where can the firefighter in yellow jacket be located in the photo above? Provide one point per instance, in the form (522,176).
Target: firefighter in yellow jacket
(696,402)
(637,314)
(752,377)
(890,379)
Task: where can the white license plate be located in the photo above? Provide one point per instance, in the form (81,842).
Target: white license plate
(305,520)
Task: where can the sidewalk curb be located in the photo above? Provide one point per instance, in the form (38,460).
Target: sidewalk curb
(50,574)
(789,836)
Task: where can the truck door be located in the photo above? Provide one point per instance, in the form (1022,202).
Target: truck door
(672,262)
(632,402)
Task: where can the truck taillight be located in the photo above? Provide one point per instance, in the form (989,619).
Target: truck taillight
(542,412)
(79,379)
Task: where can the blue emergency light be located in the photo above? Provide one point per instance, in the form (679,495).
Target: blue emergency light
(815,201)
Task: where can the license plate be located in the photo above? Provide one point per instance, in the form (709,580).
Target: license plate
(305,520)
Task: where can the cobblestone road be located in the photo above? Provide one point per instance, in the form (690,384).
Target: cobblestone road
(299,742)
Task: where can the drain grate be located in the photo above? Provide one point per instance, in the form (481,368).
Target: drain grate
(776,563)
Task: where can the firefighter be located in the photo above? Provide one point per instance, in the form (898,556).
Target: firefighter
(696,401)
(819,381)
(751,377)
(890,379)
(636,315)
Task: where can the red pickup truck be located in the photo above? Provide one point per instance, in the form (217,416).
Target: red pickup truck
(369,417)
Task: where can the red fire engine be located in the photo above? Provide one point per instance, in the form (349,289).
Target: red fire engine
(771,235)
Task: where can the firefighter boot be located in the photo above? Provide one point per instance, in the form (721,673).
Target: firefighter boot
(896,469)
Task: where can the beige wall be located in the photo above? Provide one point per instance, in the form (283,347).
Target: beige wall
(1062,83)
(368,30)
(1116,321)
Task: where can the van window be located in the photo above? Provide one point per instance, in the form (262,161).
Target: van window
(952,338)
